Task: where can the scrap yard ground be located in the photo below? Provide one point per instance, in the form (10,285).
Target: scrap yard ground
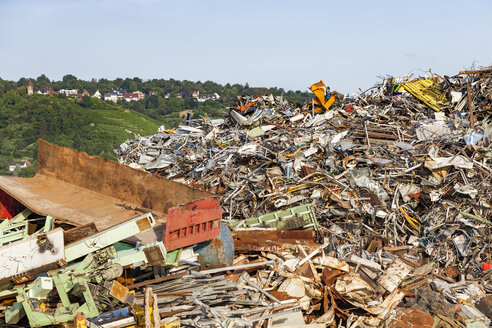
(371,211)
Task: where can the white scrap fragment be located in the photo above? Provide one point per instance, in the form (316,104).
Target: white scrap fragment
(392,277)
(466,190)
(294,287)
(364,262)
(296,118)
(433,130)
(310,151)
(338,137)
(247,149)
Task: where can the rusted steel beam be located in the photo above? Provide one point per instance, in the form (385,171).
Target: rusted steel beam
(268,240)
(470,105)
(480,71)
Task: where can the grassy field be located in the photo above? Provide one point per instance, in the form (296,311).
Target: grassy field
(117,121)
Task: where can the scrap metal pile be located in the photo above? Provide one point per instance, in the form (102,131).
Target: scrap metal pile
(366,212)
(398,179)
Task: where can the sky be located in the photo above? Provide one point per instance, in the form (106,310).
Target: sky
(349,45)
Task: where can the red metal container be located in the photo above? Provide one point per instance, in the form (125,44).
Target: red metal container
(192,223)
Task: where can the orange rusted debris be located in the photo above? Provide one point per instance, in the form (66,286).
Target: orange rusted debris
(270,240)
(411,318)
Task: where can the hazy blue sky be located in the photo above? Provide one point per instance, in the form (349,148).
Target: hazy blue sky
(289,44)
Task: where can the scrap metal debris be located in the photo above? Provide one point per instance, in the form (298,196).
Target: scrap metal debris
(345,212)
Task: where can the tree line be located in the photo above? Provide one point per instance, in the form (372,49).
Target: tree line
(157,106)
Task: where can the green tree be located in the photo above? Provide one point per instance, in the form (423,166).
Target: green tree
(17,170)
(29,171)
(2,86)
(190,103)
(42,79)
(70,82)
(3,164)
(86,102)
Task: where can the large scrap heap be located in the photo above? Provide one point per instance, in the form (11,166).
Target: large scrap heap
(370,211)
(398,177)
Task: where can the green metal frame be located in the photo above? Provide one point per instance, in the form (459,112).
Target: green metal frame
(299,217)
(17,228)
(64,283)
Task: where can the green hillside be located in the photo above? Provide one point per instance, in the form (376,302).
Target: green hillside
(116,121)
(96,126)
(89,125)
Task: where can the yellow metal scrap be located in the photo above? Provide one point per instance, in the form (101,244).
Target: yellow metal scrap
(414,222)
(428,91)
(324,97)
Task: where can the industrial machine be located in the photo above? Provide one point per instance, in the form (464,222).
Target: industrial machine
(73,289)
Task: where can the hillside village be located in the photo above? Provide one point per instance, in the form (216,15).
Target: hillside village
(120,94)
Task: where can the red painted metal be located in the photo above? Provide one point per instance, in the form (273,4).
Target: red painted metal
(192,223)
(7,205)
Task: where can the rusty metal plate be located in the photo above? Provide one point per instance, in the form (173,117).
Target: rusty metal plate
(144,224)
(154,255)
(120,292)
(271,240)
(81,189)
(79,233)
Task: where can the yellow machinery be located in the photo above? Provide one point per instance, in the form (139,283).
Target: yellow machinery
(324,98)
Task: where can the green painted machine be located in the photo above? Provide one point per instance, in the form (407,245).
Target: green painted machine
(75,289)
(88,286)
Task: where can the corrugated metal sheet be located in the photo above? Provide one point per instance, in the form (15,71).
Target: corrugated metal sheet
(428,91)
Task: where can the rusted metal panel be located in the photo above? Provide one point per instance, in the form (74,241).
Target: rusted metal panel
(81,189)
(78,233)
(121,293)
(155,254)
(132,186)
(192,223)
(269,240)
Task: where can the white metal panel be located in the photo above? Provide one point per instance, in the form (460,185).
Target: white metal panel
(109,236)
(26,255)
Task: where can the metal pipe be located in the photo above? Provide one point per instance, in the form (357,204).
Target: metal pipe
(237,267)
(258,288)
